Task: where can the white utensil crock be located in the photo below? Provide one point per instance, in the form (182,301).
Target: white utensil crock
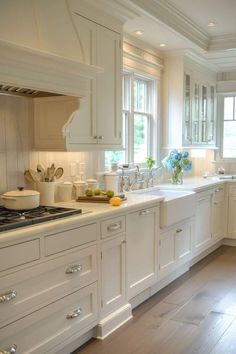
(47,192)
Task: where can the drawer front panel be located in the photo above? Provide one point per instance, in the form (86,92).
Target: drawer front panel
(18,254)
(112,226)
(44,329)
(68,239)
(30,289)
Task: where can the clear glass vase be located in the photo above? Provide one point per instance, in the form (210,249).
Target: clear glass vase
(177,176)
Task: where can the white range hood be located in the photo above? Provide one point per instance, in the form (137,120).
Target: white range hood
(41,49)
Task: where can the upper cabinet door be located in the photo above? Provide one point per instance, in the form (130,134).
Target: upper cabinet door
(108,90)
(98,121)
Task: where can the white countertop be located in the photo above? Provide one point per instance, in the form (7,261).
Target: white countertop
(95,211)
(195,184)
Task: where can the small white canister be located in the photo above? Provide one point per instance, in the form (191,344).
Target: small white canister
(112,181)
(92,183)
(80,188)
(65,192)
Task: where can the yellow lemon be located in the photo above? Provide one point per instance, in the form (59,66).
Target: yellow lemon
(115,201)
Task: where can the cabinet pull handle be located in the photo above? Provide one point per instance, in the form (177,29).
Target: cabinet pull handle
(74,314)
(144,212)
(10,350)
(179,230)
(218,190)
(100,137)
(114,227)
(10,295)
(95,137)
(216,203)
(74,269)
(202,199)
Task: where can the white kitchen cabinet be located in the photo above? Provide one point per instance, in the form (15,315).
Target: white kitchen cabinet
(231,211)
(48,289)
(113,273)
(141,252)
(166,258)
(218,214)
(50,114)
(175,247)
(189,103)
(50,328)
(203,229)
(200,117)
(97,124)
(96,120)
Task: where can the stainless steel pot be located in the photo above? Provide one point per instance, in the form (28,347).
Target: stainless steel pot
(22,199)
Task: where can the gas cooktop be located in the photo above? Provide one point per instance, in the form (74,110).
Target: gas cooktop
(12,219)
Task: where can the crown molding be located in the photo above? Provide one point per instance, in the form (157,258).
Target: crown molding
(142,56)
(171,17)
(225,42)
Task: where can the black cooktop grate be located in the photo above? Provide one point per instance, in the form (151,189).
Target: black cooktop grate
(12,219)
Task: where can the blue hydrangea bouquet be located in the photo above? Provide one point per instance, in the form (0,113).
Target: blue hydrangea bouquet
(177,162)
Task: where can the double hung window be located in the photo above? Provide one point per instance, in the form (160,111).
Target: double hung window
(229,127)
(139,107)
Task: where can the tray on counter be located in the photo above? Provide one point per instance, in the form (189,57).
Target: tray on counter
(99,198)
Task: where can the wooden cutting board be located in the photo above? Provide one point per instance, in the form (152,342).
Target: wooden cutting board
(98,198)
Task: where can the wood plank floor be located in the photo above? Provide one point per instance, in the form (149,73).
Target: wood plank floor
(196,314)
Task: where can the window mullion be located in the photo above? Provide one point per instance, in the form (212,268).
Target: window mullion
(131,135)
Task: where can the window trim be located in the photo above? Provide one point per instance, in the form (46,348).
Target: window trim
(154,121)
(220,126)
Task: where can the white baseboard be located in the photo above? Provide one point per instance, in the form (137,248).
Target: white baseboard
(205,253)
(229,242)
(72,344)
(169,278)
(113,321)
(146,294)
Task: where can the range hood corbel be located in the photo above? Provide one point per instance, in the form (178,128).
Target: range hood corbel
(39,70)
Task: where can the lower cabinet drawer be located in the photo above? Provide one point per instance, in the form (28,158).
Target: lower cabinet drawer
(27,290)
(45,329)
(18,254)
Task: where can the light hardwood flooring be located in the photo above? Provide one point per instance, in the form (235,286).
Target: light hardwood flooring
(196,314)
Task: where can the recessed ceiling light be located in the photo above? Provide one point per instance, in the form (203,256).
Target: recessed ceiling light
(139,33)
(211,24)
(163,45)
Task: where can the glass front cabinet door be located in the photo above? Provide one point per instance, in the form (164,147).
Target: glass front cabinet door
(187,136)
(199,128)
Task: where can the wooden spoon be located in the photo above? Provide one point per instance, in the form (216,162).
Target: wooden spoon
(35,175)
(50,172)
(41,170)
(28,176)
(58,173)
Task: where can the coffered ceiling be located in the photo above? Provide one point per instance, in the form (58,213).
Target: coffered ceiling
(183,25)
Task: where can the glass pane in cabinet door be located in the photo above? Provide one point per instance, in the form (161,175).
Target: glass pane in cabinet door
(195,134)
(203,114)
(187,110)
(211,123)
